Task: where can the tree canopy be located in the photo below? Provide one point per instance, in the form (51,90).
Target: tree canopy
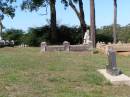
(34,4)
(6,8)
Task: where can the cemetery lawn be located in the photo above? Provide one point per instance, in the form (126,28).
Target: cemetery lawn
(25,72)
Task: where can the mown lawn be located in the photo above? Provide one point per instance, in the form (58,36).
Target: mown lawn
(25,72)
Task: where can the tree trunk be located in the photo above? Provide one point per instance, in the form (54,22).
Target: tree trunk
(1,26)
(92,23)
(82,20)
(53,21)
(115,22)
(79,14)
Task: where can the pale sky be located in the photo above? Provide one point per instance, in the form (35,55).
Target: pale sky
(104,15)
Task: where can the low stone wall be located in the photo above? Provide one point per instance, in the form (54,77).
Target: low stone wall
(119,47)
(65,47)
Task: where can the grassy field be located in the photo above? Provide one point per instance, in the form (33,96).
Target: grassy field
(25,72)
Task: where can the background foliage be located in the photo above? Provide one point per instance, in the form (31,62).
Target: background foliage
(34,36)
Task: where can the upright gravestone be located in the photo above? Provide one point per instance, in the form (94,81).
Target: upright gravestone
(66,46)
(43,47)
(111,68)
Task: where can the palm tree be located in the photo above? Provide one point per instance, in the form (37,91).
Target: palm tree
(115,22)
(92,23)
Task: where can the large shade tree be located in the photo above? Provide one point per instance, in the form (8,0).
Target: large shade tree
(36,5)
(115,22)
(6,9)
(80,13)
(92,23)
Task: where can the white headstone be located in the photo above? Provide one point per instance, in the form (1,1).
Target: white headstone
(0,38)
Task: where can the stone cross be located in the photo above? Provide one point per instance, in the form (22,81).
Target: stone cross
(112,66)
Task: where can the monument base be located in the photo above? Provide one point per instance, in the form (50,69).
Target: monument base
(116,80)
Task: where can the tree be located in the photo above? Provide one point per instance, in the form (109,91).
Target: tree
(115,22)
(36,4)
(92,23)
(53,21)
(6,8)
(80,13)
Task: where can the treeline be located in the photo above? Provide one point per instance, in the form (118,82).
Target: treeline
(34,36)
(105,33)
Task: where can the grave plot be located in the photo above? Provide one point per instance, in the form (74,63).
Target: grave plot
(112,72)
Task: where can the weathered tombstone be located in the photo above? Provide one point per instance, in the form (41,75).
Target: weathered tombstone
(12,43)
(43,46)
(2,43)
(66,45)
(111,68)
(6,42)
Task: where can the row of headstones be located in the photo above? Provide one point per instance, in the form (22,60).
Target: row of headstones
(23,46)
(4,43)
(109,43)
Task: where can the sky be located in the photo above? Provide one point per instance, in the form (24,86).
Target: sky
(104,15)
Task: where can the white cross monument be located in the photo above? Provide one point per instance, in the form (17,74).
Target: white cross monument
(86,37)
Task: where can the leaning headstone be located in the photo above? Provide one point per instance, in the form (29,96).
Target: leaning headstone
(43,47)
(66,46)
(112,66)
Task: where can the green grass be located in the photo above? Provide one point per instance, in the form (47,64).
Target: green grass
(25,72)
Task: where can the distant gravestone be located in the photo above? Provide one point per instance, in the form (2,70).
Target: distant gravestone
(112,66)
(43,46)
(66,46)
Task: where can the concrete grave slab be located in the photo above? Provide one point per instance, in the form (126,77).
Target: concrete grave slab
(116,80)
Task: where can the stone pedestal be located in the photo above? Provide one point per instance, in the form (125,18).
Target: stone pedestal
(121,79)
